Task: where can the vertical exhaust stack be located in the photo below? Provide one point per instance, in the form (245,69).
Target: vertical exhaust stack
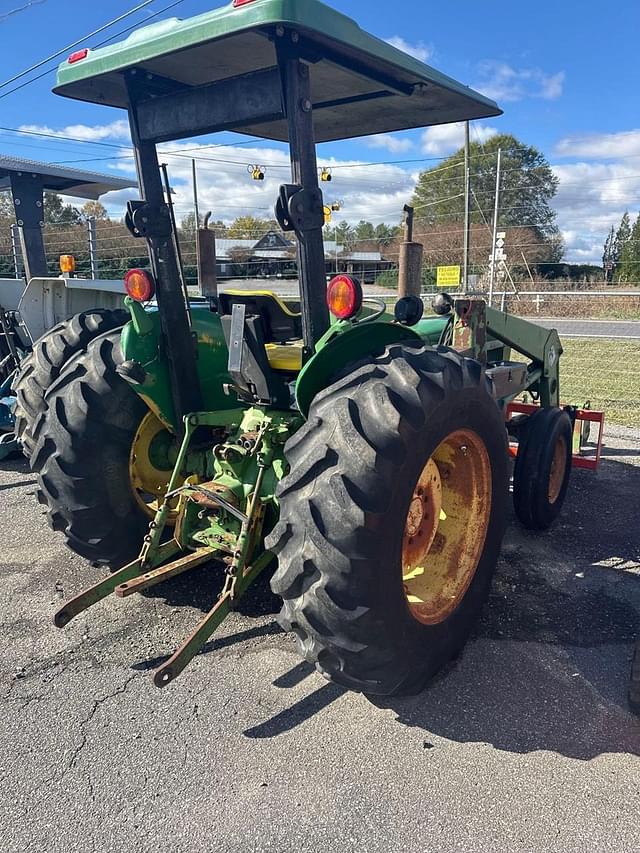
(206,255)
(410,269)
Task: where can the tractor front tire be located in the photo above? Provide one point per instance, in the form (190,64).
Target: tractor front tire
(47,360)
(82,453)
(392,518)
(542,468)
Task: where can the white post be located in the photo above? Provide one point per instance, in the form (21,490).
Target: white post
(496,210)
(91,232)
(15,248)
(467,210)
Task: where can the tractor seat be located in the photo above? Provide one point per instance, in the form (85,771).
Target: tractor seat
(282,326)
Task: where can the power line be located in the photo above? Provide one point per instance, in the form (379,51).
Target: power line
(94,47)
(75,44)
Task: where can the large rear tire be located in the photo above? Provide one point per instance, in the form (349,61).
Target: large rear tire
(391,518)
(82,453)
(47,359)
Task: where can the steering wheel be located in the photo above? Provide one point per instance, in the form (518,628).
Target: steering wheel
(382,307)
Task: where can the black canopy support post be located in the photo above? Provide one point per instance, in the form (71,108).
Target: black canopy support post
(28,203)
(304,168)
(177,340)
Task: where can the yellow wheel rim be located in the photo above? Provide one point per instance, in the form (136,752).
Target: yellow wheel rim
(148,482)
(446,526)
(558,468)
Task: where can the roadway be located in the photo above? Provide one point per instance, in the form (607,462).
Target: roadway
(570,328)
(526,744)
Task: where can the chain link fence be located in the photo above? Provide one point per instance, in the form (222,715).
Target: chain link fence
(603,372)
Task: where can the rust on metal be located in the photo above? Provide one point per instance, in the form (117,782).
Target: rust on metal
(558,469)
(177,567)
(446,526)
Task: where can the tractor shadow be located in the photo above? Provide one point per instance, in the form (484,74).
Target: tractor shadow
(548,666)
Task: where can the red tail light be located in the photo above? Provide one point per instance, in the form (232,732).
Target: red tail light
(237,3)
(344,296)
(78,55)
(139,284)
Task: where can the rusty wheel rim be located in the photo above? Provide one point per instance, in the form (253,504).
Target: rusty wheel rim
(558,469)
(446,526)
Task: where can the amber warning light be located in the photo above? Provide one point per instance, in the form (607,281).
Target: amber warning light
(344,296)
(140,285)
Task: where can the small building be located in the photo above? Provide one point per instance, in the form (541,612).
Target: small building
(274,256)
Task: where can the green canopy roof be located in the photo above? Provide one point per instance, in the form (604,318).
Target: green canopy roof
(360,84)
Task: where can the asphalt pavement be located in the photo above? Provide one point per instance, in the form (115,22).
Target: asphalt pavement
(569,328)
(525,744)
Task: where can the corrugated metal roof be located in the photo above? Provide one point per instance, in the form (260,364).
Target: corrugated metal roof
(74,182)
(226,244)
(361,256)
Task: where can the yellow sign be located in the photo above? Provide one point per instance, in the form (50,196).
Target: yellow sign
(448,276)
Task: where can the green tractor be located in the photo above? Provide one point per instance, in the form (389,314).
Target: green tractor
(363,451)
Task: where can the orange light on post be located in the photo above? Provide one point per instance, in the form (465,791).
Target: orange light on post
(139,284)
(344,296)
(67,264)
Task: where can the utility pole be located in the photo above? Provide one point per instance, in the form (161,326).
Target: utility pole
(467,208)
(195,193)
(496,210)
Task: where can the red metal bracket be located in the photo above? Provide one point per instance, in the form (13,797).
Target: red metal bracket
(578,460)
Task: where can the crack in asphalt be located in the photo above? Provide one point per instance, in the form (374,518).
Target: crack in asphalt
(97,703)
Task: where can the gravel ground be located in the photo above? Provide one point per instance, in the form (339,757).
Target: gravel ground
(526,744)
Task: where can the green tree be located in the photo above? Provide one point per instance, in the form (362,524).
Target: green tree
(629,243)
(94,210)
(622,247)
(608,259)
(58,213)
(527,187)
(250,228)
(386,234)
(188,226)
(364,231)
(343,234)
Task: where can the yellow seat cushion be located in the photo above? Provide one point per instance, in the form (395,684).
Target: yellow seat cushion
(285,356)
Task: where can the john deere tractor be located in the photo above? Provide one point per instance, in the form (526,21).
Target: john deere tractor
(362,451)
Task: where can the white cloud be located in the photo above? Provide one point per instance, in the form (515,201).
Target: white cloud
(225,188)
(502,82)
(443,139)
(420,50)
(394,144)
(623,144)
(91,133)
(591,198)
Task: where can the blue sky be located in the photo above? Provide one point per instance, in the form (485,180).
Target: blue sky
(565,73)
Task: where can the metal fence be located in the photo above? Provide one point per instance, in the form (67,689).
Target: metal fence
(601,371)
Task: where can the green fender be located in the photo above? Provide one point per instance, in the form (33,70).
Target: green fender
(345,343)
(140,340)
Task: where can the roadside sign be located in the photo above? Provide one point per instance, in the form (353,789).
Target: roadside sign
(448,276)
